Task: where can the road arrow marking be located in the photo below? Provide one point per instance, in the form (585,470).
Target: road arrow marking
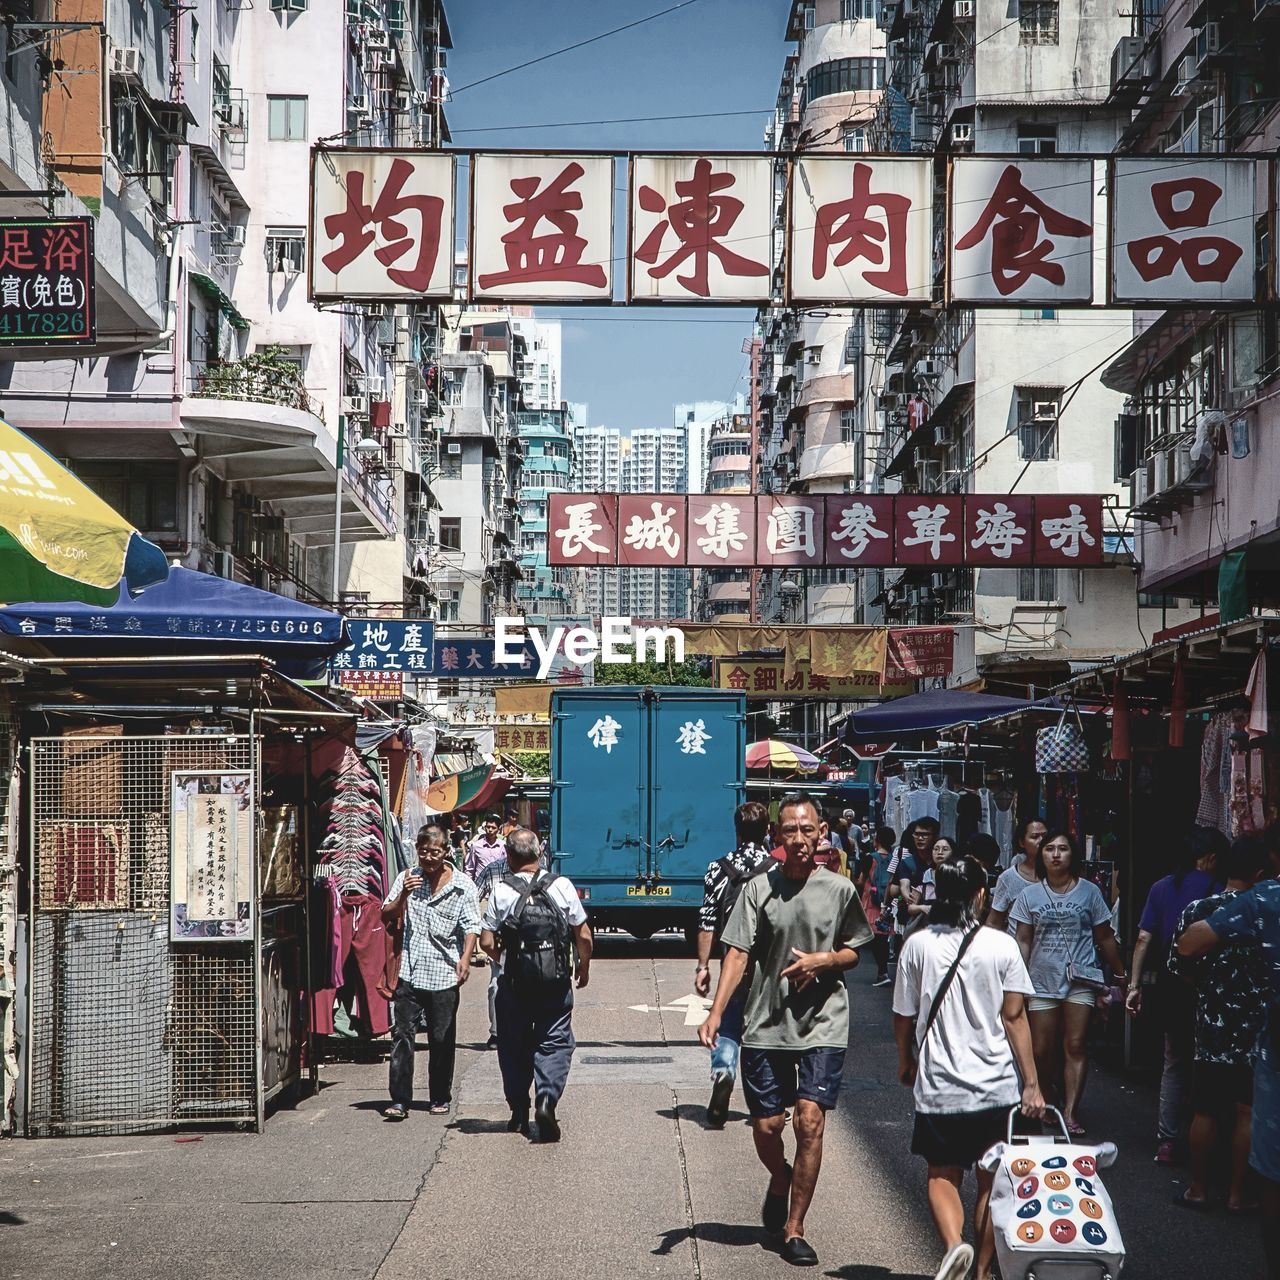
(695,1009)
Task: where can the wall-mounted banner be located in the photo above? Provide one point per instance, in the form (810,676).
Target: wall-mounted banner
(387,644)
(1020,230)
(522,737)
(46,282)
(839,530)
(211,856)
(379,686)
(767,679)
(381,224)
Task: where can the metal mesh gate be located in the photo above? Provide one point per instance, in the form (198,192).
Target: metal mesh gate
(127,1031)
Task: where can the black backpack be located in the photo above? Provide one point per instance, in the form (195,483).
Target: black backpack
(535,937)
(735,878)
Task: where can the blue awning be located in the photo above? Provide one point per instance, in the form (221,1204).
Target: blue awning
(931,710)
(188,613)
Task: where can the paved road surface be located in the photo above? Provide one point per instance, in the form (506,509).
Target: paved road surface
(638,1187)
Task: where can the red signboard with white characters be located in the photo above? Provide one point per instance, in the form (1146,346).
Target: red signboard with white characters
(1183,230)
(1068,530)
(860,530)
(583,528)
(1022,229)
(929,529)
(919,653)
(999,530)
(847,531)
(722,529)
(651,529)
(790,530)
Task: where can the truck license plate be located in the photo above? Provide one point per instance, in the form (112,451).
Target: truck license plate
(645,891)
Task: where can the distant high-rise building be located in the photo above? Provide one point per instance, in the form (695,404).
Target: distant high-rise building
(656,462)
(597,468)
(695,419)
(540,372)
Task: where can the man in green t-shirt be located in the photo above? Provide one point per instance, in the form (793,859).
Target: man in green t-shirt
(799,925)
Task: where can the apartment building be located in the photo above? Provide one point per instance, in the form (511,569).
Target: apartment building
(1004,401)
(726,594)
(547,442)
(697,418)
(540,378)
(817,372)
(597,468)
(1197,437)
(213,408)
(654,460)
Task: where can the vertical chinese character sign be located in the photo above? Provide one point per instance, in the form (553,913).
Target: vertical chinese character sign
(701,229)
(861,230)
(381,224)
(47,282)
(1021,231)
(541,228)
(1183,230)
(211,857)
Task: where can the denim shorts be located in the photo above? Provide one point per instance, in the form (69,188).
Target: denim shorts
(775,1079)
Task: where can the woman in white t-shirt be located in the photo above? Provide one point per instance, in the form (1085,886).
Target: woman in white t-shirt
(1027,839)
(965,1057)
(1064,925)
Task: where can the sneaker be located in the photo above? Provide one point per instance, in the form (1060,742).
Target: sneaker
(1165,1153)
(548,1125)
(721,1093)
(800,1253)
(882,981)
(955,1266)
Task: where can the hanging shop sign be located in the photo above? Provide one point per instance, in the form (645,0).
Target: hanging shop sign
(211,856)
(388,644)
(768,679)
(380,686)
(47,282)
(838,530)
(919,653)
(1020,230)
(522,737)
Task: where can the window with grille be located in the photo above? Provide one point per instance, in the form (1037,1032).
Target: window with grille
(1038,21)
(1037,586)
(855,340)
(1037,423)
(853,10)
(286,249)
(854,138)
(844,75)
(848,425)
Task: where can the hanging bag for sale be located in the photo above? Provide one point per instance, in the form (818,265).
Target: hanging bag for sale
(1061,748)
(1052,1216)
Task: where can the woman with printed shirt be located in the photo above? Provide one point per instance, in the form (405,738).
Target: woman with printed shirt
(1064,924)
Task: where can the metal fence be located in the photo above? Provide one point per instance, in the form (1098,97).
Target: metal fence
(128,1032)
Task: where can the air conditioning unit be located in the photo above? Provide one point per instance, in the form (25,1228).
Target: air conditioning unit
(964,10)
(453,448)
(1208,42)
(928,368)
(374,386)
(421,98)
(944,434)
(1188,72)
(230,116)
(813,355)
(402,101)
(1139,482)
(962,134)
(1044,411)
(921,127)
(126,61)
(377,39)
(355,406)
(1128,67)
(887,400)
(233,234)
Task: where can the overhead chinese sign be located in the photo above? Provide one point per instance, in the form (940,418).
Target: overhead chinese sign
(211,856)
(388,644)
(861,229)
(379,686)
(522,737)
(767,678)
(47,282)
(838,530)
(919,652)
(382,224)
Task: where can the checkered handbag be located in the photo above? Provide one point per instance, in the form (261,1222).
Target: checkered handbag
(1061,748)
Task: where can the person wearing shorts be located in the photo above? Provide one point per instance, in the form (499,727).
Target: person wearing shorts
(962,1050)
(799,925)
(1064,924)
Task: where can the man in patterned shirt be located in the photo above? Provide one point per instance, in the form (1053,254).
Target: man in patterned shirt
(441,920)
(1231,1002)
(721,886)
(1256,915)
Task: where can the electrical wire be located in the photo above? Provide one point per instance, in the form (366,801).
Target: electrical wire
(581,44)
(583,124)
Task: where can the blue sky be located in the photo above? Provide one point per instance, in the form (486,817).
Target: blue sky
(630,365)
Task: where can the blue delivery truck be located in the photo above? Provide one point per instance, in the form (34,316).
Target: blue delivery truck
(644,782)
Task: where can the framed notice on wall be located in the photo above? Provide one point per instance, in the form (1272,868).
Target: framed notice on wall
(211,856)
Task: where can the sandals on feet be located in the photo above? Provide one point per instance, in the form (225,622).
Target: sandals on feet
(438,1109)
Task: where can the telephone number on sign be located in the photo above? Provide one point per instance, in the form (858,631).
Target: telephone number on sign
(645,891)
(22,324)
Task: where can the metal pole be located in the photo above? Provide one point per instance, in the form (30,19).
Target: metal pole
(337,509)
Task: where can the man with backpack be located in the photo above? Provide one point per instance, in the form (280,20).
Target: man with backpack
(532,920)
(721,887)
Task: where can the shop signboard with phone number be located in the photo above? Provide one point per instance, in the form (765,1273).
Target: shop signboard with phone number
(47,282)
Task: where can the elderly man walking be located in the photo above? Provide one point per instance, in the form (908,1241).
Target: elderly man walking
(532,919)
(799,924)
(440,916)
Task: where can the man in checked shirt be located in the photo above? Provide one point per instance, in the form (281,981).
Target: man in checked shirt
(721,886)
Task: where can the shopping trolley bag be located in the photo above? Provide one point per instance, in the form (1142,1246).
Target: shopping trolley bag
(1052,1216)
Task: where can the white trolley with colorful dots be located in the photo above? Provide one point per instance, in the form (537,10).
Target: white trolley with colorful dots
(1052,1216)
